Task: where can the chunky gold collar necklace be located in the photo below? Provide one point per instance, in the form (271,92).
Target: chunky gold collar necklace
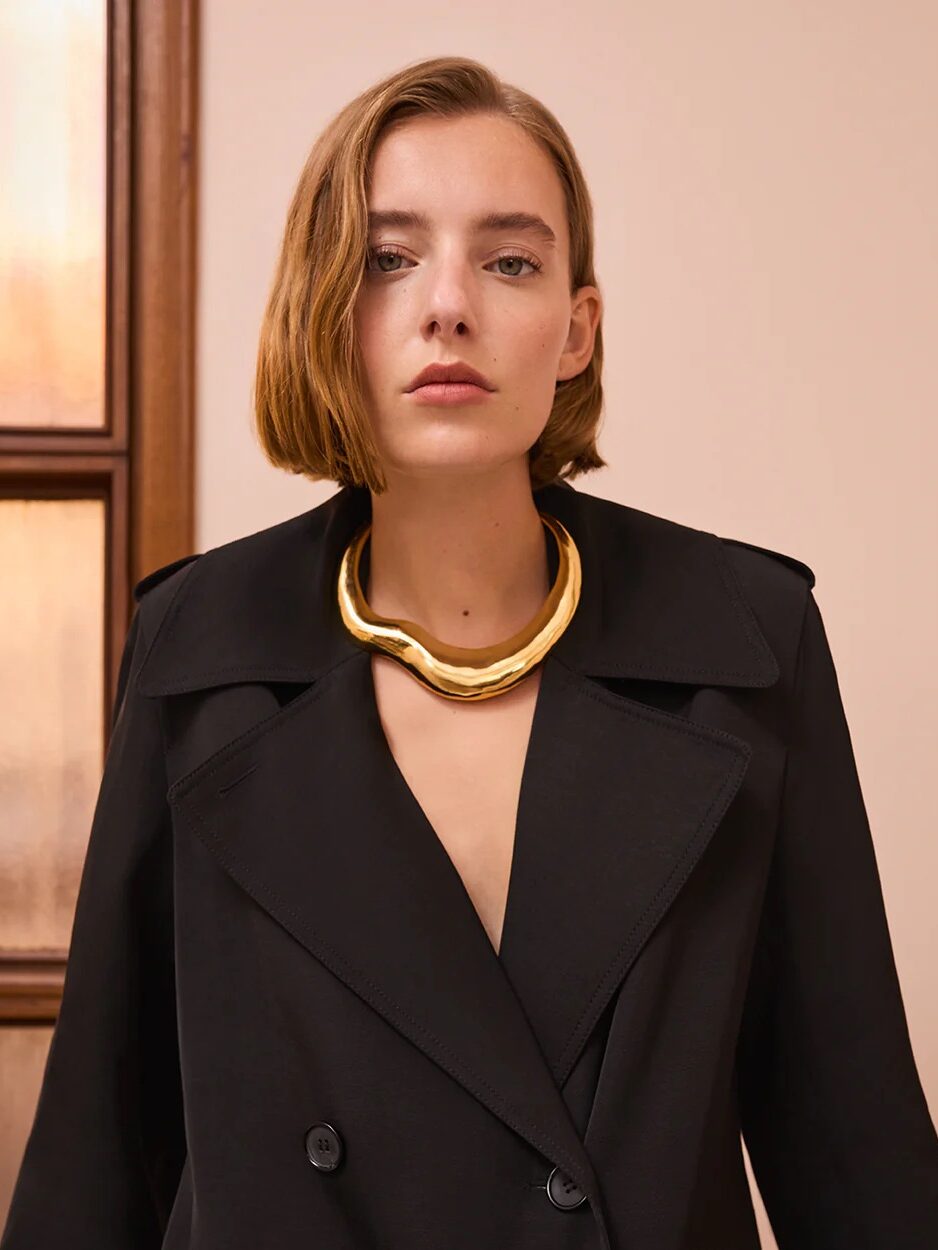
(463,672)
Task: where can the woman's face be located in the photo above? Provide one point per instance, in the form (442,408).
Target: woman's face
(450,286)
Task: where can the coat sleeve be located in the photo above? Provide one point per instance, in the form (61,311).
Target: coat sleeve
(832,1110)
(102,1161)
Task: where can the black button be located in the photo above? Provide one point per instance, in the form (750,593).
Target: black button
(564,1192)
(324,1147)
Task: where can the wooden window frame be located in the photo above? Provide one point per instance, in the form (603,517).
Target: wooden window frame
(142,460)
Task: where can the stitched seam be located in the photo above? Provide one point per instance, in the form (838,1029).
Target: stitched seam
(669,720)
(171,609)
(741,605)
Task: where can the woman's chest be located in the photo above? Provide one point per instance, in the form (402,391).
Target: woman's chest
(463,763)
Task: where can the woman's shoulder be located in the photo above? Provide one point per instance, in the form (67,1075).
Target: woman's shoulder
(157,576)
(746,556)
(256,607)
(799,566)
(242,553)
(711,580)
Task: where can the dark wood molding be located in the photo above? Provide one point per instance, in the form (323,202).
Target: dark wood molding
(31,986)
(120,111)
(163,305)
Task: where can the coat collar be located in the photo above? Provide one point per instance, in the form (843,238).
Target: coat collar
(307,811)
(659,601)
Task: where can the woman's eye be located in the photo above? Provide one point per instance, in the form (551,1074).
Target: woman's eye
(380,255)
(387,254)
(516,258)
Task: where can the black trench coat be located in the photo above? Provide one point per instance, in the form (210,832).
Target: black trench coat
(284,1025)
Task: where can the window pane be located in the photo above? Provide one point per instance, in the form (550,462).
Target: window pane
(52,727)
(52,213)
(23,1053)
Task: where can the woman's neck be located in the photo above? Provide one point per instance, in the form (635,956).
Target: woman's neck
(467,559)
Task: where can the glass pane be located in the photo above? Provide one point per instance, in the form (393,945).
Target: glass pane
(23,1054)
(52,212)
(52,727)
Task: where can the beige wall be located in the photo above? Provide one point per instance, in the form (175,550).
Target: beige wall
(766,194)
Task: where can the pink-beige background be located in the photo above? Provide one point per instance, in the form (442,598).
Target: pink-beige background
(766,194)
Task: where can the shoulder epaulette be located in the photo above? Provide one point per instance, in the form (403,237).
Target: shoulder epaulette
(159,575)
(798,565)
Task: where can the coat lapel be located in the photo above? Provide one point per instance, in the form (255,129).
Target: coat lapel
(618,804)
(309,814)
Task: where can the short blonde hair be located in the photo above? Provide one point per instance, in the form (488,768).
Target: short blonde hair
(309,407)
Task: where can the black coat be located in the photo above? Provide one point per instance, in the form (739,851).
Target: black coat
(284,1025)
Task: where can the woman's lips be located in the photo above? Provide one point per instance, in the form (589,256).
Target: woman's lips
(449,393)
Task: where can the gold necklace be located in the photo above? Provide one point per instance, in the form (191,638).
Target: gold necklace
(463,672)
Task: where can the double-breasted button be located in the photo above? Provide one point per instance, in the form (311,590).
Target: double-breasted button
(324,1147)
(564,1192)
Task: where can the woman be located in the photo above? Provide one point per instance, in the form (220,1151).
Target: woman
(476,859)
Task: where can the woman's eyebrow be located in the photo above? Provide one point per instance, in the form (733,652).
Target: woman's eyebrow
(402,218)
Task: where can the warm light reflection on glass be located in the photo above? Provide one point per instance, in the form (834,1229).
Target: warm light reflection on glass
(52,212)
(52,723)
(23,1054)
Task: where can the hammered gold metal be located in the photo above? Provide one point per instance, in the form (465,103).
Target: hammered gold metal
(463,672)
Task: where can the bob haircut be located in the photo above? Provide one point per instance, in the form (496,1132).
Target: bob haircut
(309,408)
